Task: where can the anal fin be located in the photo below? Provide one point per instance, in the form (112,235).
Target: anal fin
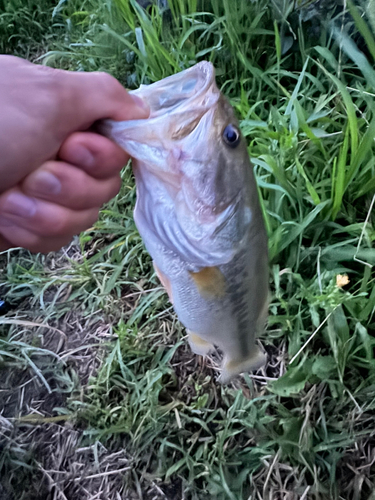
(199,345)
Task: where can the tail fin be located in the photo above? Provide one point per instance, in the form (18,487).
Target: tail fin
(233,367)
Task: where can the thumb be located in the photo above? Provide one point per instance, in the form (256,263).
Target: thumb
(89,97)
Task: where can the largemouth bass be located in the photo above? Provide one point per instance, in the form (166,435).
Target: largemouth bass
(199,215)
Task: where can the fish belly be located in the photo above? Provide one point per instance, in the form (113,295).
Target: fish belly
(230,321)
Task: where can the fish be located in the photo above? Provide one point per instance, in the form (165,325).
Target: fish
(199,215)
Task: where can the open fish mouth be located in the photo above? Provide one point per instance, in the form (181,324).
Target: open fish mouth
(193,86)
(177,104)
(176,143)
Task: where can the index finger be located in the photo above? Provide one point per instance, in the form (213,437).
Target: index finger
(97,155)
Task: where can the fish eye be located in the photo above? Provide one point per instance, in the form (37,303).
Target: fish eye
(231,136)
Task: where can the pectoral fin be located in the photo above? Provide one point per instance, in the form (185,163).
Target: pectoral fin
(164,281)
(233,367)
(210,282)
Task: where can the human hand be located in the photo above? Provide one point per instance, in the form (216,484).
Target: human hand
(54,173)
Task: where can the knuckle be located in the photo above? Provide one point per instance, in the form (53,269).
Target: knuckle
(68,225)
(108,190)
(110,86)
(114,189)
(77,180)
(50,78)
(106,79)
(56,93)
(47,70)
(61,225)
(28,240)
(92,218)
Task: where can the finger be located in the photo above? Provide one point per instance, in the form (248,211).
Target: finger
(69,186)
(20,237)
(97,155)
(5,244)
(43,106)
(41,217)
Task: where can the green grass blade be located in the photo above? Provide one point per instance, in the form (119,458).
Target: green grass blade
(338,181)
(350,109)
(296,90)
(362,26)
(355,55)
(365,147)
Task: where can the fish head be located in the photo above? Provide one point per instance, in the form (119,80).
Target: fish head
(191,142)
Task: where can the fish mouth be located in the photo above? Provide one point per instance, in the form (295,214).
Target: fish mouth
(182,108)
(177,93)
(177,104)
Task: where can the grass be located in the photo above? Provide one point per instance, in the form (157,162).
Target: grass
(104,396)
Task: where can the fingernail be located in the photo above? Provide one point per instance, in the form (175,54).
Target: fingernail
(20,205)
(82,157)
(140,103)
(46,183)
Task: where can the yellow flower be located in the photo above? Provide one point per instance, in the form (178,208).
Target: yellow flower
(342,280)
